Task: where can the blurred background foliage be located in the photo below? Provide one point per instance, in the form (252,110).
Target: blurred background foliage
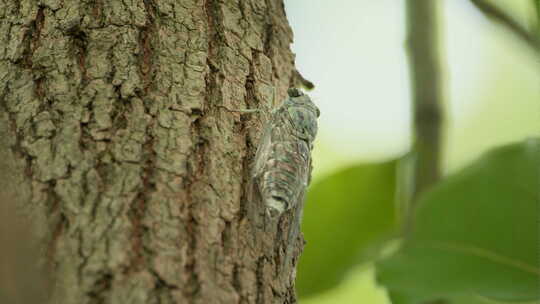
(335,226)
(476,231)
(354,52)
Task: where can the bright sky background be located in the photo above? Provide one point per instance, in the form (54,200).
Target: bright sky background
(356,61)
(353,50)
(354,54)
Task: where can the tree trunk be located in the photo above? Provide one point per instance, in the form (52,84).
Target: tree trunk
(114,117)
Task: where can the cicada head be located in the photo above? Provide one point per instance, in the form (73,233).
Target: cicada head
(303,114)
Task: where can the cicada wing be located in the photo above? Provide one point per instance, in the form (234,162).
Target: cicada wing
(295,224)
(263,150)
(254,207)
(274,134)
(294,228)
(257,207)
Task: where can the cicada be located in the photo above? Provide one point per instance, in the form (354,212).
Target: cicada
(282,167)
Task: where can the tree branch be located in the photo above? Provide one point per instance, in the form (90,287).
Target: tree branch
(493,12)
(424,73)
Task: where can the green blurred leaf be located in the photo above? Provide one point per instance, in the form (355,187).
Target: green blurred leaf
(476,232)
(346,214)
(359,286)
(400,297)
(537,3)
(474,299)
(403,298)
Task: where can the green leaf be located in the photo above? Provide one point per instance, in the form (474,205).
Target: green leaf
(403,298)
(346,214)
(358,286)
(537,4)
(475,299)
(475,232)
(400,297)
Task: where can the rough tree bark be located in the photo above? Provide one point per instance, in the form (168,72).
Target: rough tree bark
(113,116)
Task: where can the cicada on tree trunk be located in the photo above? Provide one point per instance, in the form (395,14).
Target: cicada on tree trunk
(282,166)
